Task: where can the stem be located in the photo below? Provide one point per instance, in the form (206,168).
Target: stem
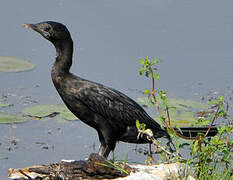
(168,117)
(153,91)
(212,122)
(168,124)
(155,142)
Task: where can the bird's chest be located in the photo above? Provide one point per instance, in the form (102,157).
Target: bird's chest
(68,90)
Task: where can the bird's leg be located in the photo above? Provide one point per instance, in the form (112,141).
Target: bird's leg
(173,147)
(101,150)
(150,152)
(104,151)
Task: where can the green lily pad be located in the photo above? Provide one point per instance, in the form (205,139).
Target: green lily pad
(4,105)
(68,115)
(181,119)
(9,118)
(186,104)
(180,104)
(3,157)
(182,112)
(46,110)
(13,64)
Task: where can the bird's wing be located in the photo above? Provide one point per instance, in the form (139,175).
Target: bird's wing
(113,105)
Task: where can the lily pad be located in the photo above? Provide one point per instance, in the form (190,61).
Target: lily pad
(3,157)
(13,64)
(46,110)
(9,118)
(4,105)
(186,104)
(182,112)
(180,104)
(181,119)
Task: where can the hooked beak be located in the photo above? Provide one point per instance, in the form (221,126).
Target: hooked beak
(36,28)
(33,27)
(30,26)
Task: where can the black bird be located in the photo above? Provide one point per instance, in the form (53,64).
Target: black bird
(107,110)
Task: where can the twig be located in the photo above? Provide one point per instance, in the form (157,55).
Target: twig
(153,91)
(25,174)
(168,125)
(155,142)
(212,122)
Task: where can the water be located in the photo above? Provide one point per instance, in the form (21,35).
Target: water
(194,38)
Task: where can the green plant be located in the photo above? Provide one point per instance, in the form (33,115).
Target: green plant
(214,157)
(211,158)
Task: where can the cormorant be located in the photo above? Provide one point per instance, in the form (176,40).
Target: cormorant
(110,112)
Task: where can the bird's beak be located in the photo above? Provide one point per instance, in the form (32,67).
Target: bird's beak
(36,28)
(33,27)
(30,26)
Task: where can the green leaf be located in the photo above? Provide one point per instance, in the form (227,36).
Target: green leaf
(182,112)
(13,64)
(3,157)
(141,61)
(215,140)
(140,126)
(67,115)
(147,91)
(137,124)
(156,76)
(9,118)
(222,113)
(220,98)
(146,60)
(222,129)
(156,61)
(142,70)
(195,147)
(4,105)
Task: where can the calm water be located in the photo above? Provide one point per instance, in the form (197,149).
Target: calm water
(194,38)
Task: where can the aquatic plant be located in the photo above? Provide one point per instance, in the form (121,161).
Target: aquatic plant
(211,157)
(13,64)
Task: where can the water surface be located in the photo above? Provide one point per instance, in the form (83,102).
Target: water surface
(194,38)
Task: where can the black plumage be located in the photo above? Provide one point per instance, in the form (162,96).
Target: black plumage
(107,110)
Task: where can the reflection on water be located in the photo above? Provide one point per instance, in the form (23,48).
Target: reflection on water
(194,38)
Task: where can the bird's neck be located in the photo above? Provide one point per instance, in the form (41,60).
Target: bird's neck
(64,50)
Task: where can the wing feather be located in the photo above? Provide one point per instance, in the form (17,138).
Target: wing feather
(112,104)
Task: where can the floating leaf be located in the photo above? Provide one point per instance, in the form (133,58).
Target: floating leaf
(182,112)
(181,118)
(186,104)
(13,64)
(4,105)
(180,104)
(68,115)
(8,118)
(46,110)
(3,157)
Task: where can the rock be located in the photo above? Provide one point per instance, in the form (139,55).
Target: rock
(175,171)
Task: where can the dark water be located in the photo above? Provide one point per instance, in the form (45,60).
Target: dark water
(194,38)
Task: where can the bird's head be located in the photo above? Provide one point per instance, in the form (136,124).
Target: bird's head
(52,31)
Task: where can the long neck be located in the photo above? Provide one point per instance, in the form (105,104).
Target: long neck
(64,51)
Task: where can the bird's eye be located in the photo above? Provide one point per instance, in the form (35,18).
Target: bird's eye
(47,28)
